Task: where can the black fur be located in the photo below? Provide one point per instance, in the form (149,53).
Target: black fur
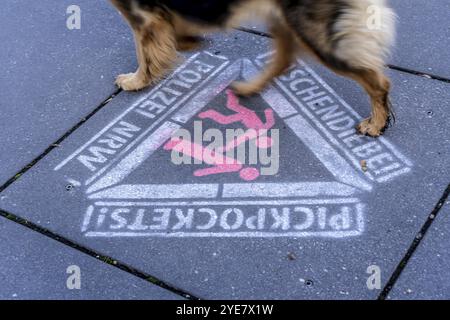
(303,15)
(300,14)
(313,22)
(212,12)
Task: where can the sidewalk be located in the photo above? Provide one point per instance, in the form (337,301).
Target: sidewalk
(86,169)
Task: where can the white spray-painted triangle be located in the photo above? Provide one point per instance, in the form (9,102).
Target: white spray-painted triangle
(350,181)
(143,151)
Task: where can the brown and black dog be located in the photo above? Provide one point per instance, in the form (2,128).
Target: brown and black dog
(352,37)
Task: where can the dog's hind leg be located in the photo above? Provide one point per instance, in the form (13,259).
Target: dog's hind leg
(285,50)
(360,55)
(155,48)
(377,86)
(371,77)
(342,36)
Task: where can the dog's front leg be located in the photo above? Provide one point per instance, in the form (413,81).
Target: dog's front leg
(139,79)
(155,49)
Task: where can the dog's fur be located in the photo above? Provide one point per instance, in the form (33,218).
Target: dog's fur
(335,31)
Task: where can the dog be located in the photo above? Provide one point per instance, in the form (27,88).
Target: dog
(337,32)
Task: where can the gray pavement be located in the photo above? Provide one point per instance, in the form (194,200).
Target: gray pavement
(426,276)
(423,36)
(36,267)
(310,231)
(53,77)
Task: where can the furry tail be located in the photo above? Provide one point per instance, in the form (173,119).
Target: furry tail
(364,33)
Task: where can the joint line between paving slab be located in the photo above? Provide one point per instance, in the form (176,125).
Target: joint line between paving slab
(66,241)
(390,66)
(414,245)
(104,258)
(419,73)
(59,141)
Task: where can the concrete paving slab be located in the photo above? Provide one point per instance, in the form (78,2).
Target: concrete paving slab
(33,266)
(309,231)
(53,77)
(427,274)
(423,36)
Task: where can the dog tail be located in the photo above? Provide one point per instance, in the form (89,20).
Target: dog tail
(364,33)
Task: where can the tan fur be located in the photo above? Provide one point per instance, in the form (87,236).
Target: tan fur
(365,47)
(364,44)
(377,85)
(156,51)
(264,10)
(285,50)
(355,50)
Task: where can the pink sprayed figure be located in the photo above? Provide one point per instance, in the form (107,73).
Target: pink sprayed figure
(221,163)
(246,116)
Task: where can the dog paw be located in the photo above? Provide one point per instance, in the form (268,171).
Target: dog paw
(244,88)
(369,129)
(131,82)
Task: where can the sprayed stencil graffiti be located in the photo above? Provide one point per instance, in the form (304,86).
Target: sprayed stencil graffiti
(219,158)
(222,196)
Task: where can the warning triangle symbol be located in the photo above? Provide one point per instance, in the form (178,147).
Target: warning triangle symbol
(343,179)
(288,160)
